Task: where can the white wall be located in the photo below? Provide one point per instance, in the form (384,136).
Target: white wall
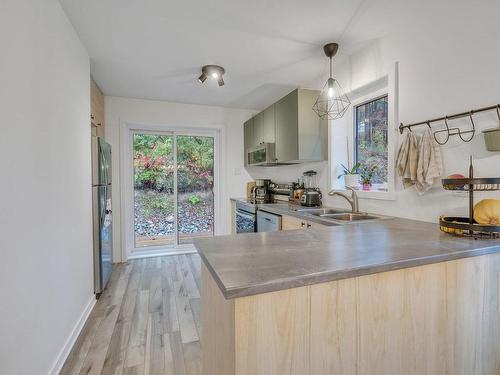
(46,273)
(448,62)
(233,177)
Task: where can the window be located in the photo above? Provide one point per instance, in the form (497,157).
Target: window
(370,146)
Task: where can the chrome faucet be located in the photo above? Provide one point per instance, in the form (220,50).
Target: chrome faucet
(353,199)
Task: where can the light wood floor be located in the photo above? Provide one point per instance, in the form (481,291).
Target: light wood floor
(147,321)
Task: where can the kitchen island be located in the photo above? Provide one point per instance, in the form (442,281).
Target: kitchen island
(382,297)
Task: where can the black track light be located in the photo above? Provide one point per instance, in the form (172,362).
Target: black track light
(213,71)
(202,78)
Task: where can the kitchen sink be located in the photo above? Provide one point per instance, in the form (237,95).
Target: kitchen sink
(321,211)
(348,216)
(338,216)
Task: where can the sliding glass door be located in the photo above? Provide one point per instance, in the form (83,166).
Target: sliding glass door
(173,191)
(195,183)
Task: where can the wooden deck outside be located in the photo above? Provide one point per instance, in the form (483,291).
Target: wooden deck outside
(184,238)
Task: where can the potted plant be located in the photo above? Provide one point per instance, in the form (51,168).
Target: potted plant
(367,176)
(351,175)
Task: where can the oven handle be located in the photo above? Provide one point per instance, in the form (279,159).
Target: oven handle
(245,215)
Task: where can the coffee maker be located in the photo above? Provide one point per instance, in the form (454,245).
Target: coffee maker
(261,191)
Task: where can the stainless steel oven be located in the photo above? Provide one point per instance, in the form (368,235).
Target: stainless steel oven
(246,222)
(246,218)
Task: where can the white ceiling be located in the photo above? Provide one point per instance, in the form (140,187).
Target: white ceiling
(154,49)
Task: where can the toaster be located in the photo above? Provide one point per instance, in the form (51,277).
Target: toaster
(311,198)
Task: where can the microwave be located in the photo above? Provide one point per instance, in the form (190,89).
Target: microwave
(263,154)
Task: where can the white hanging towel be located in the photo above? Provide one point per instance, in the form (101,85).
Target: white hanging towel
(407,160)
(430,163)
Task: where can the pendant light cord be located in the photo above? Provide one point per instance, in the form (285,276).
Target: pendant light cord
(331,67)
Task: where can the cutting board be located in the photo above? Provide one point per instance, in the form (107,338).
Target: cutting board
(250,186)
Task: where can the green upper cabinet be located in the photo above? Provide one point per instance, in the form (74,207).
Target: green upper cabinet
(248,136)
(298,133)
(287,145)
(312,131)
(269,124)
(258,129)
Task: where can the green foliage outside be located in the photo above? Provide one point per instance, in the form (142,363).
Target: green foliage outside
(154,162)
(152,202)
(371,122)
(194,199)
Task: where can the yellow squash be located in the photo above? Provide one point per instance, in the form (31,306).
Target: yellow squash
(487,212)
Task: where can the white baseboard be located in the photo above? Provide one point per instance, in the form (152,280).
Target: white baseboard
(68,345)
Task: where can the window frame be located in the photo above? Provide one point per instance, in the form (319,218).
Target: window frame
(344,127)
(355,144)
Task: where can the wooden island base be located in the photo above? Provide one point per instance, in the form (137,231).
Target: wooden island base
(442,318)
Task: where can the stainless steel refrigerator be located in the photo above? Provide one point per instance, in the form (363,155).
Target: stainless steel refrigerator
(102,213)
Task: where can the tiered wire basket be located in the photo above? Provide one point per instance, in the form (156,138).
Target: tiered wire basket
(467,226)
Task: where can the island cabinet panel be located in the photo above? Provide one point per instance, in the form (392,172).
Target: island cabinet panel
(441,318)
(272,332)
(218,338)
(473,303)
(334,328)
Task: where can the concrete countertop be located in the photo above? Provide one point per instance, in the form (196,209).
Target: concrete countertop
(291,210)
(255,263)
(285,208)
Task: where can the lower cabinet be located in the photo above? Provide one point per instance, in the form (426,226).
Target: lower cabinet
(311,224)
(291,222)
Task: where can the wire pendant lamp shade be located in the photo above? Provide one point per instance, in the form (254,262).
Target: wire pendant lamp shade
(332,102)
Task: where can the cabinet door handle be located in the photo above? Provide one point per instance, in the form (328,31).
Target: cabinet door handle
(308,225)
(302,224)
(92,116)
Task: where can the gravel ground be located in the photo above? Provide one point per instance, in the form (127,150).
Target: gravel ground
(154,213)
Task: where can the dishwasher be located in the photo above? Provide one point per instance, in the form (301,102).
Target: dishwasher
(268,222)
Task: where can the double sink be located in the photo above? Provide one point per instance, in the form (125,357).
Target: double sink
(335,215)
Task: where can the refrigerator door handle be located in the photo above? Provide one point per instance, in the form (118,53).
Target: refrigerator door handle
(103,164)
(103,208)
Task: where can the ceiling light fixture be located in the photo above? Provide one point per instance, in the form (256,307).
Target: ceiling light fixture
(332,102)
(214,71)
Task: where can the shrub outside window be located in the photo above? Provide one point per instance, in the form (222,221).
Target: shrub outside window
(370,134)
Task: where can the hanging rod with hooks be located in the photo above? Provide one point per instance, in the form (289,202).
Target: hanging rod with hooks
(453,131)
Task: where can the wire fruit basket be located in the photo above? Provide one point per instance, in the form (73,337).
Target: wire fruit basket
(467,226)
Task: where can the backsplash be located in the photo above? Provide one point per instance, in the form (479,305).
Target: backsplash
(291,173)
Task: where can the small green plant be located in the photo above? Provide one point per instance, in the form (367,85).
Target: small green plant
(367,174)
(346,171)
(194,199)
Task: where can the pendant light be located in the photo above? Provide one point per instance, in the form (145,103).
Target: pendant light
(332,102)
